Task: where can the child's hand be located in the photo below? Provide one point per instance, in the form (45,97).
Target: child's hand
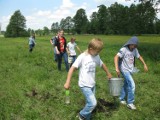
(118,72)
(58,52)
(145,68)
(66,86)
(109,76)
(68,53)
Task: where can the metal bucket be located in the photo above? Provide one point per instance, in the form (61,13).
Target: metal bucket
(115,86)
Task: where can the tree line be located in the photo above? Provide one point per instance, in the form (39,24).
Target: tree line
(116,19)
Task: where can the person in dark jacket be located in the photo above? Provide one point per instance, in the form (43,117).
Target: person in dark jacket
(52,41)
(61,50)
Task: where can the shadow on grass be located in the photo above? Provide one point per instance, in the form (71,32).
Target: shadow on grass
(106,107)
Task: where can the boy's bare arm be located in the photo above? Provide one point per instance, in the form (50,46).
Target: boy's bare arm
(107,71)
(145,66)
(51,41)
(116,59)
(69,76)
(57,51)
(78,49)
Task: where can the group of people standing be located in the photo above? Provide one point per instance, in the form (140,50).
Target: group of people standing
(64,50)
(87,61)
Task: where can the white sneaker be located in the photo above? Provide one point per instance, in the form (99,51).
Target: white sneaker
(123,102)
(131,106)
(80,117)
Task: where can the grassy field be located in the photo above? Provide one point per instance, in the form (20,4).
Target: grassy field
(32,87)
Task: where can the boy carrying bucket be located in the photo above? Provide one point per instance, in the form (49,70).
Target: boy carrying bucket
(124,63)
(87,62)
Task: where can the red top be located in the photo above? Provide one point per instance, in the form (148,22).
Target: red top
(61,41)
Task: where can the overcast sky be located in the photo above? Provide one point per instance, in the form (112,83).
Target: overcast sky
(40,13)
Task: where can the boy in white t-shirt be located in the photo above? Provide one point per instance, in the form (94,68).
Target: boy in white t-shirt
(87,62)
(72,52)
(124,63)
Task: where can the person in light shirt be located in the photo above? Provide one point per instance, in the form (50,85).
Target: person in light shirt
(71,51)
(124,63)
(86,62)
(32,42)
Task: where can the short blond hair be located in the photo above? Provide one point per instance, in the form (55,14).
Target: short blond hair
(96,44)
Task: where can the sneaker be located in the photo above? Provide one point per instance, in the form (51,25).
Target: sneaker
(123,102)
(80,117)
(131,106)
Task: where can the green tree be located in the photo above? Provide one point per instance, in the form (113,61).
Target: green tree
(132,19)
(62,23)
(55,27)
(118,18)
(16,26)
(45,31)
(39,32)
(93,23)
(146,15)
(157,26)
(69,24)
(102,19)
(80,21)
(30,31)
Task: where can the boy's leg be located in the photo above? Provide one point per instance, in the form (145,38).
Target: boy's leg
(73,59)
(123,91)
(30,48)
(91,102)
(59,59)
(65,56)
(130,87)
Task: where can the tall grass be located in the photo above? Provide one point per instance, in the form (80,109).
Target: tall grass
(32,87)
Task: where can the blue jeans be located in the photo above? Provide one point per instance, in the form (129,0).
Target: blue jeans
(59,59)
(73,59)
(31,46)
(128,88)
(91,102)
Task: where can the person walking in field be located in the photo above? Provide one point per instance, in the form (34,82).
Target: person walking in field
(72,52)
(61,50)
(86,62)
(52,41)
(32,42)
(124,64)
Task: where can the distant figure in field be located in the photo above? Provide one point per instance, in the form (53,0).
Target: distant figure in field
(71,51)
(86,63)
(124,64)
(52,41)
(32,42)
(61,50)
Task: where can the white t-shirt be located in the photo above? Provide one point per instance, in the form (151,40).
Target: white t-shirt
(87,68)
(127,61)
(71,47)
